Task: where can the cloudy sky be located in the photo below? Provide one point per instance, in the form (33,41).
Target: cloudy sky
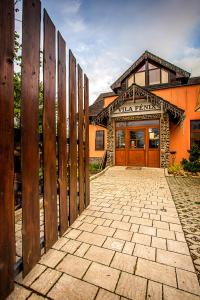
(107,36)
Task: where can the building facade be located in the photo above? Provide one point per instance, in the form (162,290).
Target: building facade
(151,118)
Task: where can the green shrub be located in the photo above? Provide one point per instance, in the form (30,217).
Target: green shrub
(176,169)
(193,164)
(94,167)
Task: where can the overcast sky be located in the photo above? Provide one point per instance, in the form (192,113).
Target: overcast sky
(107,36)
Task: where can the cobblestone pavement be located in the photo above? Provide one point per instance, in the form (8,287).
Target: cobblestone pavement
(186,195)
(128,244)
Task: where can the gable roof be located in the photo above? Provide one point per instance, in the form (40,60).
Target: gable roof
(98,104)
(136,91)
(148,55)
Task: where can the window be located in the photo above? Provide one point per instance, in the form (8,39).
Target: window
(99,140)
(140,78)
(120,139)
(195,133)
(154,138)
(136,139)
(130,80)
(154,76)
(164,76)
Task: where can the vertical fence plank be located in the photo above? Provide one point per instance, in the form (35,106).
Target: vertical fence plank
(73,138)
(86,107)
(80,139)
(29,131)
(7,241)
(49,134)
(62,135)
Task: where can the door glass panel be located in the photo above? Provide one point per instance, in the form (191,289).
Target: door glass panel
(154,138)
(136,139)
(120,139)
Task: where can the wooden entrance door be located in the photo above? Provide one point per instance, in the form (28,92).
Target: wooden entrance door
(136,147)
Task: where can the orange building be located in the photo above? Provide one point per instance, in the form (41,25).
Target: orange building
(151,118)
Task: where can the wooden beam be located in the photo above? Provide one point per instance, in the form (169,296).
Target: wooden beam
(80,138)
(29,138)
(49,134)
(73,138)
(62,135)
(7,233)
(87,173)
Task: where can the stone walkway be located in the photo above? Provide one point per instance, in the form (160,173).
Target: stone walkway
(186,195)
(128,244)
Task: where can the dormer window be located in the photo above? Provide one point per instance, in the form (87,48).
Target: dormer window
(155,75)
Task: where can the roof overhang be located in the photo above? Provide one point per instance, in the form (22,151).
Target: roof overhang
(180,73)
(137,92)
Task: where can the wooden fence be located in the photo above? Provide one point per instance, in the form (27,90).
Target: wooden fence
(66,172)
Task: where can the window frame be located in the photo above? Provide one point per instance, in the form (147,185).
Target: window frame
(193,131)
(102,147)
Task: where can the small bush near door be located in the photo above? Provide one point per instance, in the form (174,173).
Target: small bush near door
(193,164)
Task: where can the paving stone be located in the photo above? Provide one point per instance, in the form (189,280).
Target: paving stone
(156,272)
(175,259)
(141,239)
(170,219)
(128,248)
(92,238)
(105,295)
(31,276)
(158,243)
(98,221)
(131,286)
(114,244)
(36,297)
(187,281)
(46,281)
(73,265)
(174,294)
(100,255)
(144,252)
(107,222)
(71,246)
(180,236)
(112,216)
(141,221)
(167,234)
(179,247)
(134,227)
(154,217)
(154,291)
(73,234)
(82,250)
(102,276)
(69,288)
(125,219)
(176,227)
(87,227)
(147,230)
(160,224)
(123,235)
(120,225)
(104,230)
(124,262)
(60,243)
(19,293)
(52,258)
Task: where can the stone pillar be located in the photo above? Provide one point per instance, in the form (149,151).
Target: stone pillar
(164,140)
(110,143)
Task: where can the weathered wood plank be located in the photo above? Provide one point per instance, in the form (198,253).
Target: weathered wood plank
(80,138)
(73,139)
(49,134)
(62,135)
(29,134)
(86,108)
(7,233)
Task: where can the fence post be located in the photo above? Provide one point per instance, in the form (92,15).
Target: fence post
(7,233)
(87,174)
(62,135)
(49,135)
(29,134)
